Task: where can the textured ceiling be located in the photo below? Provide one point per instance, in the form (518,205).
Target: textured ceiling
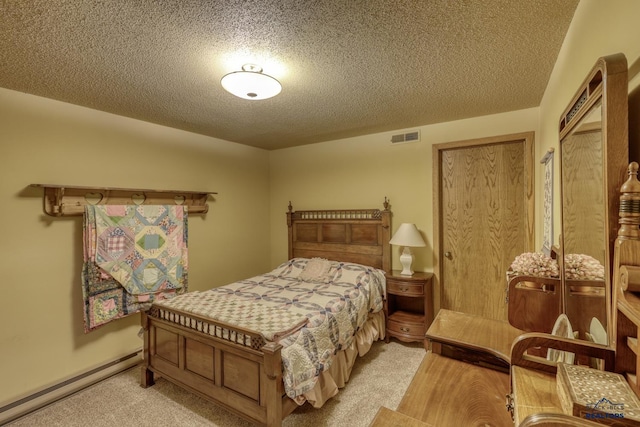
(347,68)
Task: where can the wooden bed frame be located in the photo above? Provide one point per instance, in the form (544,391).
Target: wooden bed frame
(237,369)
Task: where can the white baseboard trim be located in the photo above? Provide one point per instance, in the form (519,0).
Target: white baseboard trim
(47,395)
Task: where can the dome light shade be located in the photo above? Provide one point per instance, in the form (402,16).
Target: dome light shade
(251,83)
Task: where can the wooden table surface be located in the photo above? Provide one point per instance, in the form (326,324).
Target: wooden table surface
(449,393)
(388,418)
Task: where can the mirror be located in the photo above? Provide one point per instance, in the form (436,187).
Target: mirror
(583,213)
(593,161)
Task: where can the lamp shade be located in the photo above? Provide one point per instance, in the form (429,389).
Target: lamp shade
(407,235)
(251,83)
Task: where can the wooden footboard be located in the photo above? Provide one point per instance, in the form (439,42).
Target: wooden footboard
(235,369)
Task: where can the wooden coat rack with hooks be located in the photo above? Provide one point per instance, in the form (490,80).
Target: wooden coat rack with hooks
(65,200)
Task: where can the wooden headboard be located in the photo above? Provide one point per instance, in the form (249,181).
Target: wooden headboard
(352,235)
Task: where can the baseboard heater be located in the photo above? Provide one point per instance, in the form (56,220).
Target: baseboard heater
(51,394)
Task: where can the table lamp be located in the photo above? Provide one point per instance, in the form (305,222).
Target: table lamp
(407,235)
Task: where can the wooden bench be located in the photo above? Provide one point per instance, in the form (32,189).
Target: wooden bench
(473,339)
(476,353)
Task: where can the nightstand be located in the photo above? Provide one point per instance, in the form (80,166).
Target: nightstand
(408,307)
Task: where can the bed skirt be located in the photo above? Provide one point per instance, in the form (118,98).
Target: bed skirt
(337,376)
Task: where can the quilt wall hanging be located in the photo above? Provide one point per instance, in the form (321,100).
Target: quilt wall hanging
(133,255)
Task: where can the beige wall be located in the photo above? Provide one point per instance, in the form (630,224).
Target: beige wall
(599,28)
(49,142)
(359,172)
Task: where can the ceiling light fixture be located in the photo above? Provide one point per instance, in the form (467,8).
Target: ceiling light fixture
(251,83)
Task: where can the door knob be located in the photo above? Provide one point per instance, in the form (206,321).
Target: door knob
(448,255)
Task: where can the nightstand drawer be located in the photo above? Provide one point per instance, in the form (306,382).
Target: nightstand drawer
(416,330)
(404,288)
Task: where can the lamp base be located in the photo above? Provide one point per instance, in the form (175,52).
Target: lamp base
(406,258)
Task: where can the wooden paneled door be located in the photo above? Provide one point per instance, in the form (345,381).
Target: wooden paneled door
(483,219)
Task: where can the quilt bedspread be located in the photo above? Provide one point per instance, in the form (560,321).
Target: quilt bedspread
(312,318)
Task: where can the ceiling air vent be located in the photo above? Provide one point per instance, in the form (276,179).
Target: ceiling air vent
(412,136)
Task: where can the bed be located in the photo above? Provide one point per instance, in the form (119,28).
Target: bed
(197,341)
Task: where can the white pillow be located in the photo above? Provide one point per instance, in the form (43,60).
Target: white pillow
(316,270)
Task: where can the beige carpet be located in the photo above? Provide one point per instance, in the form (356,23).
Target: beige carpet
(380,378)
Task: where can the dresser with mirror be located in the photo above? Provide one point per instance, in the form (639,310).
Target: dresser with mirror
(520,358)
(593,167)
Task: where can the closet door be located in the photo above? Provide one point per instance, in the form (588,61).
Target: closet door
(483,191)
